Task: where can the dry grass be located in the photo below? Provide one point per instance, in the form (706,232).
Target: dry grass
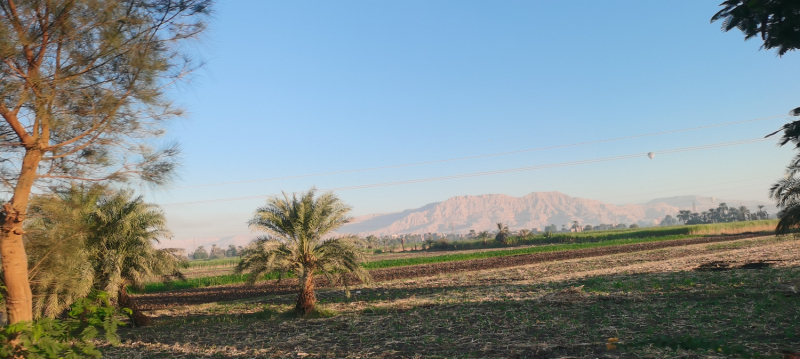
(554,309)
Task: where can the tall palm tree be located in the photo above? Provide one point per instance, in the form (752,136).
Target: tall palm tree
(502,233)
(524,232)
(295,243)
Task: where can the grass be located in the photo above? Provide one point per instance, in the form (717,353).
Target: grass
(651,301)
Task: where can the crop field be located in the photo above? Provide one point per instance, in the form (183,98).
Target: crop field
(215,272)
(731,298)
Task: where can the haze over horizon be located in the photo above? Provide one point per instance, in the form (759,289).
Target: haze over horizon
(383,84)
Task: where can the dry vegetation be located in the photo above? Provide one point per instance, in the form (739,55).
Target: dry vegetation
(567,308)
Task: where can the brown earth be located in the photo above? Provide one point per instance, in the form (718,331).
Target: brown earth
(165,300)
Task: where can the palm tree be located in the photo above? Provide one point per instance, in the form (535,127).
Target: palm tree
(576,226)
(786,193)
(123,229)
(94,238)
(483,235)
(296,227)
(524,232)
(744,213)
(502,233)
(762,214)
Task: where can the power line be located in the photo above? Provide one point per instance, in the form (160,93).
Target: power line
(485,173)
(480,156)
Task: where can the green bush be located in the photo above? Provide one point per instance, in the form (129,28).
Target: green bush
(68,338)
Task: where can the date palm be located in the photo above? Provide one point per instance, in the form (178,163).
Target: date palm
(295,243)
(787,195)
(502,233)
(93,237)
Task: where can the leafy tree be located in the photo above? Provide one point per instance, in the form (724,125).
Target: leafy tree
(684,216)
(503,233)
(200,253)
(551,228)
(632,226)
(296,226)
(588,227)
(231,252)
(82,95)
(371,241)
(216,252)
(576,226)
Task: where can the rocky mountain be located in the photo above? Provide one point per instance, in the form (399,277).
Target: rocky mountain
(536,210)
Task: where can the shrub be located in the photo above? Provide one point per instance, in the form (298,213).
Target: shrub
(72,337)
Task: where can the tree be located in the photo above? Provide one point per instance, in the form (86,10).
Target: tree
(123,229)
(82,95)
(588,227)
(200,253)
(296,227)
(231,252)
(472,234)
(483,235)
(777,22)
(95,238)
(371,241)
(632,226)
(503,233)
(524,232)
(576,226)
(684,216)
(216,252)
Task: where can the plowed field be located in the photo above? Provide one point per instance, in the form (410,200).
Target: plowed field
(232,292)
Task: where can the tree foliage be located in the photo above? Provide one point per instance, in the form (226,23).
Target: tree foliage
(93,238)
(295,243)
(82,97)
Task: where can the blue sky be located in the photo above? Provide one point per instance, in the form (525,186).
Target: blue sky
(293,88)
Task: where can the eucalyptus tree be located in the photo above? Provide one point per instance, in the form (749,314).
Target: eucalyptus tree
(296,243)
(82,98)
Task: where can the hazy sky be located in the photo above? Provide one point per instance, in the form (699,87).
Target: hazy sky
(293,88)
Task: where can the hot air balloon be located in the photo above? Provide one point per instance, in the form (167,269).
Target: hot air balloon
(651,155)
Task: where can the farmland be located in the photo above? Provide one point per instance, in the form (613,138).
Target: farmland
(731,292)
(220,271)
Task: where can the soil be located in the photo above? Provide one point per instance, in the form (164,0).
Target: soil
(171,299)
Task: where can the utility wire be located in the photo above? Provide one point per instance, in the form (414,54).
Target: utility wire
(485,173)
(480,156)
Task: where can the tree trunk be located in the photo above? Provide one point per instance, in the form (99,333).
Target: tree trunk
(306,300)
(124,300)
(19,300)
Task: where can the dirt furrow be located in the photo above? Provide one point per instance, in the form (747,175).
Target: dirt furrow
(241,291)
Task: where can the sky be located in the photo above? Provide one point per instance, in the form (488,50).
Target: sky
(297,88)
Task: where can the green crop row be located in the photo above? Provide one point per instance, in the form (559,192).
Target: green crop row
(217,262)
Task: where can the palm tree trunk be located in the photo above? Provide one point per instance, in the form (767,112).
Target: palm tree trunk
(306,300)
(124,300)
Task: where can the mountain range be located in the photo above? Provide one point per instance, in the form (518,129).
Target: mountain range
(461,214)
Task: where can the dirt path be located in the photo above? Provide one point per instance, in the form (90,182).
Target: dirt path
(241,291)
